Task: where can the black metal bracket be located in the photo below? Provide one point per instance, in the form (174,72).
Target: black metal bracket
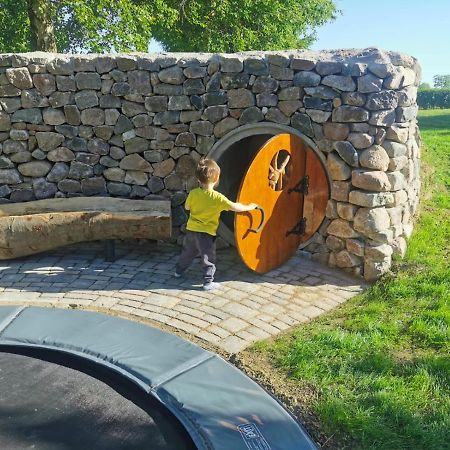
(299,229)
(301,187)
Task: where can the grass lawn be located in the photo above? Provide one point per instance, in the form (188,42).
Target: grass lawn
(378,368)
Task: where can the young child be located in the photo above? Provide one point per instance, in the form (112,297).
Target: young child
(205,205)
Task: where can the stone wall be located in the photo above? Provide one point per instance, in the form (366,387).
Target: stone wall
(134,126)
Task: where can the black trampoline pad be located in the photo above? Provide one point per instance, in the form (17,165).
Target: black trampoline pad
(48,406)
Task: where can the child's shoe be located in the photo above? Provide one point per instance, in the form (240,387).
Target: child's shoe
(177,274)
(210,286)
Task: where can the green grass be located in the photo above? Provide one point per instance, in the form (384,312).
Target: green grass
(380,364)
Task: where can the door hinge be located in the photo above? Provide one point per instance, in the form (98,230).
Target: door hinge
(298,229)
(301,187)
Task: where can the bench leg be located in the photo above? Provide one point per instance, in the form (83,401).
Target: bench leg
(110,250)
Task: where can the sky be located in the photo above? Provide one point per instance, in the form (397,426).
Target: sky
(419,28)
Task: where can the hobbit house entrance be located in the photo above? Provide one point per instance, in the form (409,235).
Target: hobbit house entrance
(340,125)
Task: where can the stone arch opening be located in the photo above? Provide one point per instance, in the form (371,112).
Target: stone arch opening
(234,153)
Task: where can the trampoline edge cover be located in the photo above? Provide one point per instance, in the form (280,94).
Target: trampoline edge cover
(220,407)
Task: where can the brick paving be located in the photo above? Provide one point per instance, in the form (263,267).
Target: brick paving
(247,307)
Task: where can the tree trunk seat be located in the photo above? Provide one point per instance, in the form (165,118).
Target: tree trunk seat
(37,226)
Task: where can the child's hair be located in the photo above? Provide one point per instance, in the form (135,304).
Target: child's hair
(207,171)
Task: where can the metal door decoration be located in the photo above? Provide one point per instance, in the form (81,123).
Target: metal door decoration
(289,183)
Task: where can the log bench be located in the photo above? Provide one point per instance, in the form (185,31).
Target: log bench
(41,225)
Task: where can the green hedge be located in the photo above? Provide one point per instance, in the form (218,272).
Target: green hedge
(433,98)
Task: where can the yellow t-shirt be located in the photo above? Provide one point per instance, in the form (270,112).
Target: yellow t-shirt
(205,207)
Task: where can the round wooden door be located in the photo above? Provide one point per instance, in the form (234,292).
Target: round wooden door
(288,181)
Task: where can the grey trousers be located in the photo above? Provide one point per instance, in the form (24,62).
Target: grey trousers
(202,244)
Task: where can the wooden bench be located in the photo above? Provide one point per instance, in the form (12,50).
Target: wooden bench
(37,226)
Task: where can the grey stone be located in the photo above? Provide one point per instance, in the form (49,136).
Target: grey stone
(302,122)
(256,66)
(66,83)
(167,117)
(289,107)
(4,191)
(9,90)
(407,96)
(69,186)
(107,161)
(353,98)
(87,158)
(179,216)
(215,98)
(61,66)
(346,259)
(382,100)
(342,229)
(88,80)
(317,103)
(21,157)
(86,99)
(251,115)
(171,75)
(156,104)
(306,79)
(44,83)
(396,179)
(197,102)
(154,156)
(19,77)
(163,168)
(104,131)
(336,131)
(5,121)
(213,85)
(383,118)
(195,71)
(203,128)
(328,67)
(185,139)
(371,199)
(347,152)
(10,147)
(19,135)
(122,125)
(58,172)
(266,99)
(79,170)
(120,89)
(194,86)
(179,103)
(119,189)
(10,176)
(360,140)
(350,114)
(72,115)
(117,153)
(135,162)
(176,152)
(406,113)
(32,115)
(371,220)
(318,116)
(321,92)
(98,146)
(289,93)
(394,149)
(240,98)
(43,189)
(136,145)
(168,89)
(49,141)
(204,144)
(215,113)
(131,109)
(369,83)
(337,168)
(306,63)
(93,116)
(398,163)
(76,144)
(136,177)
(109,101)
(53,116)
(93,186)
(139,81)
(114,174)
(342,83)
(61,154)
(265,84)
(6,163)
(371,180)
(10,104)
(281,73)
(375,157)
(224,126)
(230,63)
(275,115)
(381,70)
(155,184)
(234,80)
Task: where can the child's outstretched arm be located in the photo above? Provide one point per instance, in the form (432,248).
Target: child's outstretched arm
(240,207)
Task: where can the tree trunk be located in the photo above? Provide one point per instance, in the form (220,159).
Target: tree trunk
(42,31)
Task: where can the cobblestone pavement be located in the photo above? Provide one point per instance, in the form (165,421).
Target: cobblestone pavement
(247,307)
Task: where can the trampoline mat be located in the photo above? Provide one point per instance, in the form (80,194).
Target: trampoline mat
(49,401)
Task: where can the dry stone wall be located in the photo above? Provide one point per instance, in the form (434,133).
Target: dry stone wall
(135,125)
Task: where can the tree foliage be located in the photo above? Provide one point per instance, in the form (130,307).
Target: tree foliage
(441,81)
(433,98)
(239,25)
(180,25)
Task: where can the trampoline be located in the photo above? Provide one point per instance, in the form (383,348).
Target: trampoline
(74,379)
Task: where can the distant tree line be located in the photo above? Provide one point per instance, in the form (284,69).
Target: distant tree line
(437,96)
